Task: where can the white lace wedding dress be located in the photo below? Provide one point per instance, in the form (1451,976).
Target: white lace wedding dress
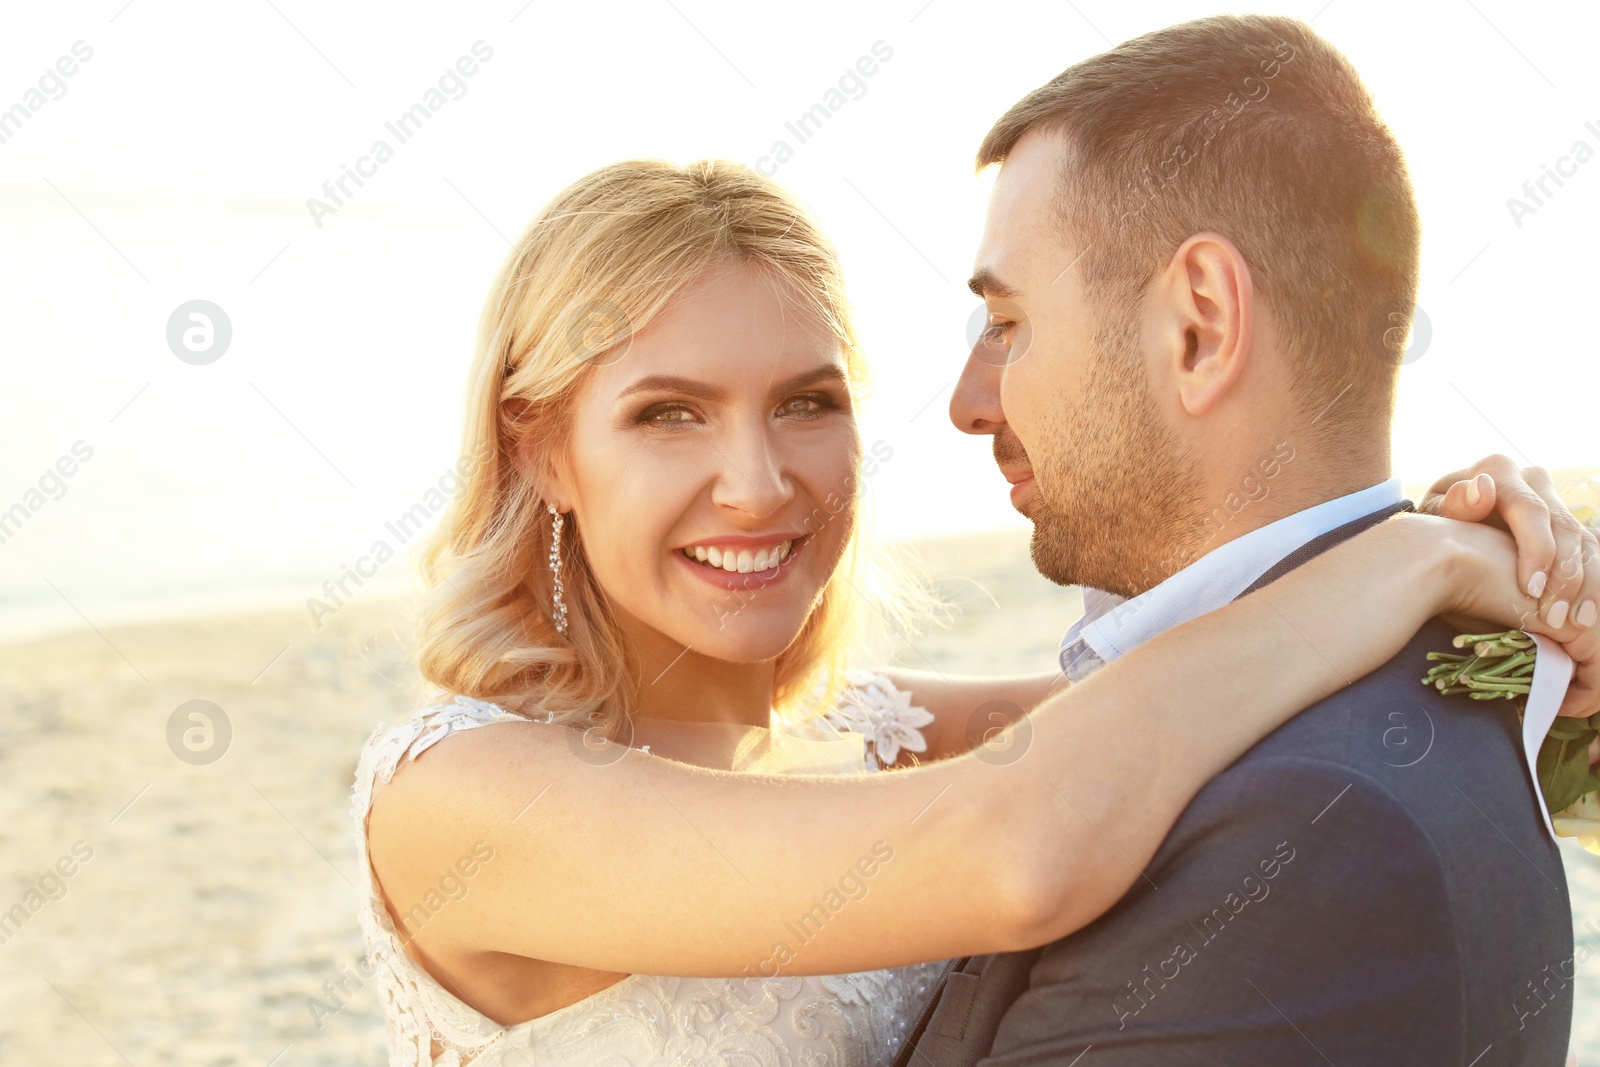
(846,1020)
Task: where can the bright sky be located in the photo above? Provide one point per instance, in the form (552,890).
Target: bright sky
(175,163)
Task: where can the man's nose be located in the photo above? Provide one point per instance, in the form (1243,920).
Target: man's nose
(975,404)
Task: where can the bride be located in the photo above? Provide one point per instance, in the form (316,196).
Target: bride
(651,825)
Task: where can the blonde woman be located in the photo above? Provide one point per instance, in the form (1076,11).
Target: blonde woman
(637,820)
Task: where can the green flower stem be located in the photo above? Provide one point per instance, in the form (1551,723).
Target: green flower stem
(1505,665)
(1463,640)
(1496,684)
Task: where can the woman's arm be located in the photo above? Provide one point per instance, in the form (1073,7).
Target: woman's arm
(968,709)
(648,865)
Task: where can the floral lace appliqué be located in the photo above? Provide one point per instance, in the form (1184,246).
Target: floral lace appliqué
(884,715)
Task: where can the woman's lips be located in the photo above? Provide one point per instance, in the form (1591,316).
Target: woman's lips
(735,581)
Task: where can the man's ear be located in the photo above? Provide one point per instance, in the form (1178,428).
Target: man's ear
(1207,298)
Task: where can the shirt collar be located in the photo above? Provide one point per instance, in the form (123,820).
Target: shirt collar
(1112,625)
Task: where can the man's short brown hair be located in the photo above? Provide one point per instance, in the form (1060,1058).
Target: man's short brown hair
(1256,128)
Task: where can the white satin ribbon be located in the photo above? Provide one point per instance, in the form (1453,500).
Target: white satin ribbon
(1552,673)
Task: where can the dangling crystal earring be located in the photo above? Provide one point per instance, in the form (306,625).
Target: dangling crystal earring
(558,606)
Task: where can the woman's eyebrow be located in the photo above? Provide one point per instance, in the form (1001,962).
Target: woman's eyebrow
(672,383)
(826,372)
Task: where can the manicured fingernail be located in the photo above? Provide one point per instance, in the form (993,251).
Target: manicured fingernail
(1472,491)
(1536,583)
(1586,614)
(1557,616)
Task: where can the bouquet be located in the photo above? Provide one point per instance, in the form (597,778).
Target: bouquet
(1500,667)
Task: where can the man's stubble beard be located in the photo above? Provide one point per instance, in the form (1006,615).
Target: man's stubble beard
(1119,498)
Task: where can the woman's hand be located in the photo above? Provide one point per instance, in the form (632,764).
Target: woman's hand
(1557,556)
(1483,584)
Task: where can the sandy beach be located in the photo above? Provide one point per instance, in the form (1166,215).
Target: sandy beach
(209,914)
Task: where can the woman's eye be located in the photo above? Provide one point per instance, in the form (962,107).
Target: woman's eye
(808,404)
(665,415)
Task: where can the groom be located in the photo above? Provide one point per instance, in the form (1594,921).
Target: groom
(1199,247)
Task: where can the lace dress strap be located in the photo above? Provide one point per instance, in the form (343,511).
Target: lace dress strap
(419,1012)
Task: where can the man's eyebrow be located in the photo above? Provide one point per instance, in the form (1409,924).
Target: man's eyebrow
(672,383)
(985,284)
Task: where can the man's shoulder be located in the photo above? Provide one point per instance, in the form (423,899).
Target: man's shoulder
(1450,769)
(1357,863)
(1407,739)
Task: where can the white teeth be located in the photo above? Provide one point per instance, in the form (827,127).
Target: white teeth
(741,560)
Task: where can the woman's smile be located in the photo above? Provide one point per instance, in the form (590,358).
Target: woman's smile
(742,563)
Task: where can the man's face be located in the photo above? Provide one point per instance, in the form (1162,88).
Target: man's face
(1064,389)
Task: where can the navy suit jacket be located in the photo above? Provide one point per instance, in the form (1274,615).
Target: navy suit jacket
(1371,884)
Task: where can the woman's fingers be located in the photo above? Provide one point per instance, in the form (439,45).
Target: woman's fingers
(1527,516)
(1586,599)
(1568,586)
(1495,491)
(1498,593)
(1582,643)
(1467,499)
(1583,696)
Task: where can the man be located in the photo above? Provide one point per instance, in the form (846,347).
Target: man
(1200,257)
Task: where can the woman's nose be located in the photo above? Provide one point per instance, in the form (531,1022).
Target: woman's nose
(754,478)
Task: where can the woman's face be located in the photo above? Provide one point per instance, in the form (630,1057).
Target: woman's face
(711,470)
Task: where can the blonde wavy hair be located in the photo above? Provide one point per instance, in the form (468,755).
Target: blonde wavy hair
(597,265)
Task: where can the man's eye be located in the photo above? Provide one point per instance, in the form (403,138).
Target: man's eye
(995,333)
